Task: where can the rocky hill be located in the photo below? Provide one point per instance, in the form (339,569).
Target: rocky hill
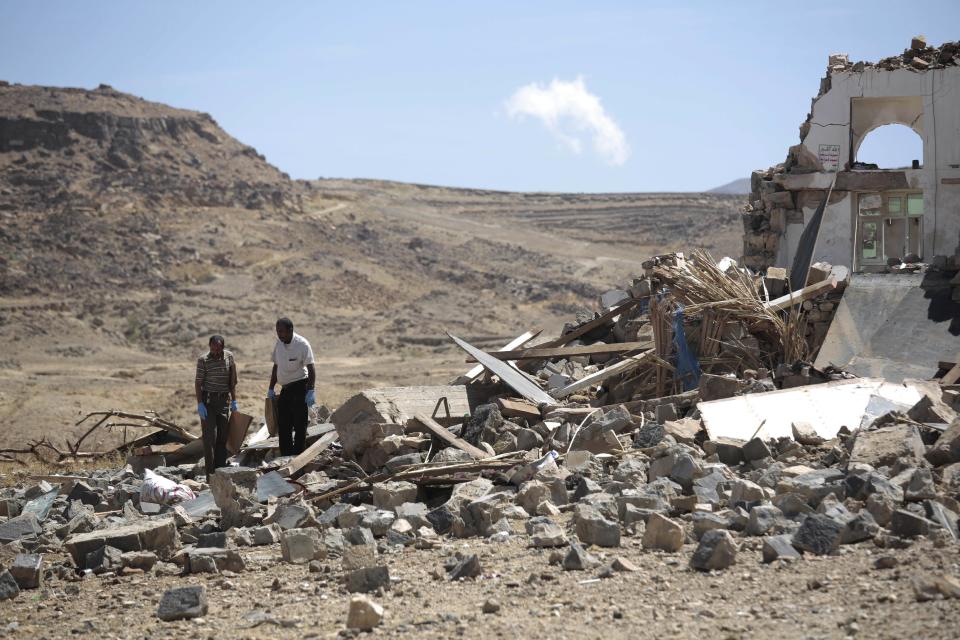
(103,148)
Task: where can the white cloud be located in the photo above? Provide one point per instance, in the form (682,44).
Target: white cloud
(569,111)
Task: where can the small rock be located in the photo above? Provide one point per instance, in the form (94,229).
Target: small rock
(300,546)
(368,579)
(8,586)
(886,562)
(929,587)
(858,528)
(779,548)
(804,433)
(623,565)
(907,524)
(183,603)
(577,559)
(663,533)
(818,534)
(26,570)
(490,606)
(547,534)
(364,613)
(756,449)
(468,567)
(717,550)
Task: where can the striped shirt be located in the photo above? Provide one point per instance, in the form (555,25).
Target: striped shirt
(216,374)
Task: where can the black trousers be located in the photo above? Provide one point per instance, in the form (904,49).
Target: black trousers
(216,430)
(292,418)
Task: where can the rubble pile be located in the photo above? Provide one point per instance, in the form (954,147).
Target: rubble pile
(919,56)
(617,430)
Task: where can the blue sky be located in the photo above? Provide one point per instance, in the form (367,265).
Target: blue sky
(701,93)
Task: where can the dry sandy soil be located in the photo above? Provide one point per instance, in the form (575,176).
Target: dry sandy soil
(830,597)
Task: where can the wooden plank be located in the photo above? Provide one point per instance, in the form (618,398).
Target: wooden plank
(237,430)
(797,297)
(590,326)
(951,376)
(445,435)
(270,415)
(517,342)
(615,369)
(537,353)
(313,432)
(309,454)
(949,180)
(510,376)
(156,449)
(518,409)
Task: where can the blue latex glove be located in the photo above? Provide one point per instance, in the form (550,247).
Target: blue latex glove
(271,394)
(202,411)
(233,405)
(311,398)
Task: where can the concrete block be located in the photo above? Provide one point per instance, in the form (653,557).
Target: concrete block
(157,535)
(300,546)
(183,603)
(26,570)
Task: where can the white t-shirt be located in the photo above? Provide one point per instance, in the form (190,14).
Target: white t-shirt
(292,359)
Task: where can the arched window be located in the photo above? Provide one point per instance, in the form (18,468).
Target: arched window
(891,146)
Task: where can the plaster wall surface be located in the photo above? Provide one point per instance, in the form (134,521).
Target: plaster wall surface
(858,102)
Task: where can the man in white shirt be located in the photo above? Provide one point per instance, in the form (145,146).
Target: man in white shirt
(293,369)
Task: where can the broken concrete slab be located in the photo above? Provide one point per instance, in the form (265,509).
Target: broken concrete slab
(157,535)
(367,579)
(300,546)
(235,493)
(24,526)
(201,559)
(388,495)
(889,445)
(825,407)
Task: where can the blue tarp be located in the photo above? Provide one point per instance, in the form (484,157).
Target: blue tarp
(688,368)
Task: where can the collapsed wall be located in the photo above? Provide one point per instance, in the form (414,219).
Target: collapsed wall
(918,86)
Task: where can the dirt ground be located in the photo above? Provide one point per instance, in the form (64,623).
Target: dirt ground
(819,597)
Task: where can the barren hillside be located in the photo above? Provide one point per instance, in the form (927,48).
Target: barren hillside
(131,231)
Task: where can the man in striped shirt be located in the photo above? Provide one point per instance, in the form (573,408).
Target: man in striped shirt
(216,386)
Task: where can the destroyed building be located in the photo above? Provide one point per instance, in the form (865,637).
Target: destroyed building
(875,214)
(678,430)
(827,203)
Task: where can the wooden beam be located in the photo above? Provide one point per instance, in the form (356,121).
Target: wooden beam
(797,297)
(516,343)
(445,435)
(623,366)
(309,454)
(510,376)
(951,376)
(518,409)
(590,326)
(537,353)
